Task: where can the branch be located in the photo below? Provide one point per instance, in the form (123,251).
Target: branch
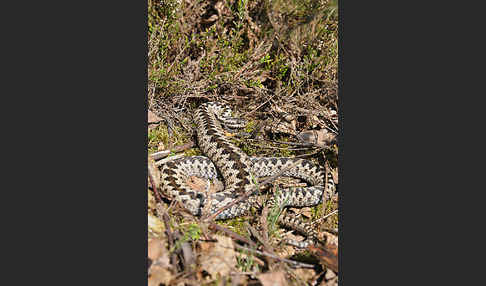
(292,262)
(232,234)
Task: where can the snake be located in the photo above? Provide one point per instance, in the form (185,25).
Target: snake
(240,173)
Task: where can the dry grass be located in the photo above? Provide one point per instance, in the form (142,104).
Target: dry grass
(275,62)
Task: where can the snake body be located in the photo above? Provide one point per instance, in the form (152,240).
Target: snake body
(239,171)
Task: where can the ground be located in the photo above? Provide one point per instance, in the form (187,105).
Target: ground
(275,63)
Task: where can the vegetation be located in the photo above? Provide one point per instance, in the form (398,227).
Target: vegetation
(276,63)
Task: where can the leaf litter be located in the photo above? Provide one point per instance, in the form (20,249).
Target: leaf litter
(275,63)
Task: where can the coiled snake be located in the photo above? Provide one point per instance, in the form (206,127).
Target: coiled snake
(239,172)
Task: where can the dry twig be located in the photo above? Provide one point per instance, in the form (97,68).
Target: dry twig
(232,234)
(292,262)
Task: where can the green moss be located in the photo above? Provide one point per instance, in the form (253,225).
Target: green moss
(236,224)
(160,135)
(317,211)
(192,152)
(286,153)
(250,126)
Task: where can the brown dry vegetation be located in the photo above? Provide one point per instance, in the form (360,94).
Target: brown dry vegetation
(275,63)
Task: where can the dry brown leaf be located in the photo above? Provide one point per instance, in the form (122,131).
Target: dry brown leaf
(315,121)
(307,137)
(278,109)
(293,125)
(327,255)
(155,248)
(246,90)
(305,273)
(332,282)
(205,246)
(210,19)
(264,75)
(239,279)
(217,186)
(325,138)
(219,7)
(219,258)
(305,211)
(285,250)
(197,184)
(329,274)
(161,146)
(159,275)
(158,254)
(276,278)
(335,175)
(155,225)
(321,138)
(332,240)
(282,127)
(151,201)
(289,117)
(330,278)
(153,120)
(200,184)
(153,172)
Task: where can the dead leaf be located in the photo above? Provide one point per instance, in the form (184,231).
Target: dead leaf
(219,7)
(197,184)
(321,138)
(159,275)
(217,186)
(305,274)
(210,19)
(327,255)
(153,172)
(263,76)
(289,118)
(273,279)
(155,225)
(330,278)
(287,250)
(335,176)
(205,246)
(161,146)
(329,274)
(278,109)
(305,211)
(315,121)
(151,201)
(219,258)
(154,248)
(246,90)
(332,240)
(153,120)
(239,279)
(200,185)
(282,127)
